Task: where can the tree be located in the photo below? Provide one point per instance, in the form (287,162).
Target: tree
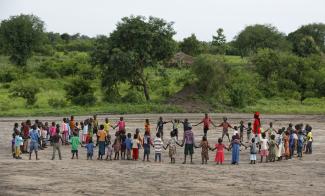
(307,37)
(191,46)
(259,36)
(80,92)
(20,36)
(219,42)
(136,43)
(26,89)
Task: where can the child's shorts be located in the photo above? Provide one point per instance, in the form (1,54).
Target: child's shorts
(264,153)
(146,150)
(253,157)
(33,146)
(74,151)
(188,149)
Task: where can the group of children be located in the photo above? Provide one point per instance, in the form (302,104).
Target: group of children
(271,144)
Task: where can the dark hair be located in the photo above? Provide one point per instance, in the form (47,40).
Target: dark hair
(16,125)
(147,120)
(263,135)
(204,138)
(129,135)
(249,124)
(135,136)
(253,140)
(172,134)
(272,137)
(220,140)
(158,134)
(90,140)
(53,123)
(101,126)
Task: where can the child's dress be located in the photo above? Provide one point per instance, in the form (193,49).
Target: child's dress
(109,149)
(286,145)
(205,150)
(264,149)
(220,156)
(272,150)
(117,144)
(172,147)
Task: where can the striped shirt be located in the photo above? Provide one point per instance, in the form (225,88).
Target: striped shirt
(158,145)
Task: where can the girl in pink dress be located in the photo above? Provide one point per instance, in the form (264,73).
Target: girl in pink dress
(220,157)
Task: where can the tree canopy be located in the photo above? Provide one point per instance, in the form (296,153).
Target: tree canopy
(20,36)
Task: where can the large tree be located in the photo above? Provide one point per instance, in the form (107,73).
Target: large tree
(136,43)
(308,39)
(259,36)
(219,42)
(20,36)
(191,45)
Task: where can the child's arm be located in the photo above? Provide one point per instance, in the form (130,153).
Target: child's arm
(166,147)
(198,123)
(243,145)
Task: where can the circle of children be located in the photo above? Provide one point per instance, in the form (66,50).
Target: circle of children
(271,144)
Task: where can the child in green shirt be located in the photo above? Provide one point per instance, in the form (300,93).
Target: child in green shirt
(75,142)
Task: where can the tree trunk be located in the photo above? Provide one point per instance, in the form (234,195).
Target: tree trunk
(145,89)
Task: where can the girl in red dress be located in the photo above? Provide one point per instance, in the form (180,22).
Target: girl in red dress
(220,157)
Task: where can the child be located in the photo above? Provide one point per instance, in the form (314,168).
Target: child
(253,151)
(147,126)
(309,149)
(55,140)
(117,145)
(206,124)
(33,145)
(292,143)
(205,150)
(160,127)
(65,131)
(158,145)
(146,145)
(241,130)
(220,157)
(13,145)
(109,148)
(225,125)
(172,146)
(107,125)
(270,130)
(90,149)
(84,131)
(264,148)
(286,145)
(279,141)
(101,138)
(53,129)
(272,146)
(188,140)
(123,146)
(300,144)
(121,125)
(235,146)
(18,142)
(135,148)
(128,145)
(75,142)
(249,131)
(175,127)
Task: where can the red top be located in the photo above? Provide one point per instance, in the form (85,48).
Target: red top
(257,126)
(206,122)
(220,147)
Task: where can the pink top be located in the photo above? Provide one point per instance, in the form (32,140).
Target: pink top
(220,147)
(206,122)
(64,127)
(52,130)
(121,125)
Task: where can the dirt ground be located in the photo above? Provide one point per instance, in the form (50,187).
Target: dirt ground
(82,177)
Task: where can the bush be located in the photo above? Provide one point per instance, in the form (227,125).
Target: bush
(80,92)
(8,74)
(57,103)
(26,89)
(133,96)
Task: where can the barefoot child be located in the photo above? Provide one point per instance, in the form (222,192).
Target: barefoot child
(249,131)
(128,145)
(147,126)
(272,146)
(33,145)
(135,148)
(206,124)
(75,142)
(300,144)
(188,140)
(101,138)
(205,150)
(220,157)
(172,147)
(158,145)
(225,126)
(18,143)
(235,146)
(117,145)
(146,145)
(241,130)
(160,127)
(264,147)
(55,140)
(253,151)
(90,149)
(109,148)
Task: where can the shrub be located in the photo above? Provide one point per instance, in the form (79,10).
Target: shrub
(57,103)
(133,96)
(80,92)
(26,89)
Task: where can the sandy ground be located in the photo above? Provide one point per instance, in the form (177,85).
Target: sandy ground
(82,177)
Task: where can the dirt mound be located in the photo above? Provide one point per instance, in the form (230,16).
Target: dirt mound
(188,100)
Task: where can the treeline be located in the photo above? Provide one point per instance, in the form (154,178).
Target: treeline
(279,65)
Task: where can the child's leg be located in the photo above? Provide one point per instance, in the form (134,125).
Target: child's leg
(261,159)
(159,157)
(184,159)
(36,154)
(77,154)
(54,149)
(191,158)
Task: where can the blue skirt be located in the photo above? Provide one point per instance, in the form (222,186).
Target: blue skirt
(235,153)
(101,147)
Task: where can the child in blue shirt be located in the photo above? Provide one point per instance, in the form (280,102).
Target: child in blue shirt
(90,149)
(128,145)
